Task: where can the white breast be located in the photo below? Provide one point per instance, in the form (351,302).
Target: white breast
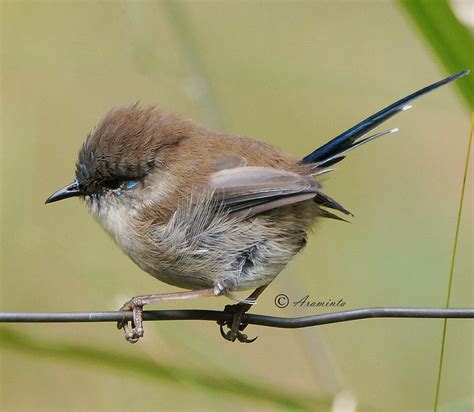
(117,213)
(116,216)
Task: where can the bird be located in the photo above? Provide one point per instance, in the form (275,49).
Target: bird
(204,211)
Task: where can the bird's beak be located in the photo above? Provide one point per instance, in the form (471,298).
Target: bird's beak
(71,190)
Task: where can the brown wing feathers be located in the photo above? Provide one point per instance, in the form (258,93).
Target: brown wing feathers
(253,189)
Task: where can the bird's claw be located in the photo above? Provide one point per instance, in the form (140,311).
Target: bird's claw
(232,337)
(236,326)
(136,332)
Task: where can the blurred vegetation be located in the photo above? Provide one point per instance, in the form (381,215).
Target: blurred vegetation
(152,369)
(293,74)
(453,46)
(447,36)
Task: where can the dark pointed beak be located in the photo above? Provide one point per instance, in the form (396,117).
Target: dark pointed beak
(71,190)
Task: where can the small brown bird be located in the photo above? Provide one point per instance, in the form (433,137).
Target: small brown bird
(205,211)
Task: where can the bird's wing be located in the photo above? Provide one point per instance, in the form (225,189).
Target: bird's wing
(251,190)
(228,162)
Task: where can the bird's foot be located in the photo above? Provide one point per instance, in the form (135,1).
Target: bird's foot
(135,305)
(136,332)
(236,325)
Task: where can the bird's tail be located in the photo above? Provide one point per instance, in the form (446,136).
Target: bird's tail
(336,149)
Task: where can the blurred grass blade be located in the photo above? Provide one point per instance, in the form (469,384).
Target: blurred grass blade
(452,43)
(199,78)
(450,40)
(217,383)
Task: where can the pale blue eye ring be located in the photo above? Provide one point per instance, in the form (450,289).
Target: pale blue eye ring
(130,185)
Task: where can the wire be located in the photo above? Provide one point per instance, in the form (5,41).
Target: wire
(253,319)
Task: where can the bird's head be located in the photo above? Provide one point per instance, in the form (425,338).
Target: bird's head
(118,158)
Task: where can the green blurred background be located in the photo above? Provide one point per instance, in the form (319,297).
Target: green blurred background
(293,74)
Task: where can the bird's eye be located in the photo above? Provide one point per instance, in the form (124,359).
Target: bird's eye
(131,184)
(124,186)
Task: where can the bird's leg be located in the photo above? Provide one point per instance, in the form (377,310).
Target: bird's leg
(236,326)
(136,306)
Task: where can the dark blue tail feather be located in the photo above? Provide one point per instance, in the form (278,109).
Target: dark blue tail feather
(349,138)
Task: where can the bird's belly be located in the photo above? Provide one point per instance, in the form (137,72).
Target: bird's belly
(231,274)
(236,255)
(200,247)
